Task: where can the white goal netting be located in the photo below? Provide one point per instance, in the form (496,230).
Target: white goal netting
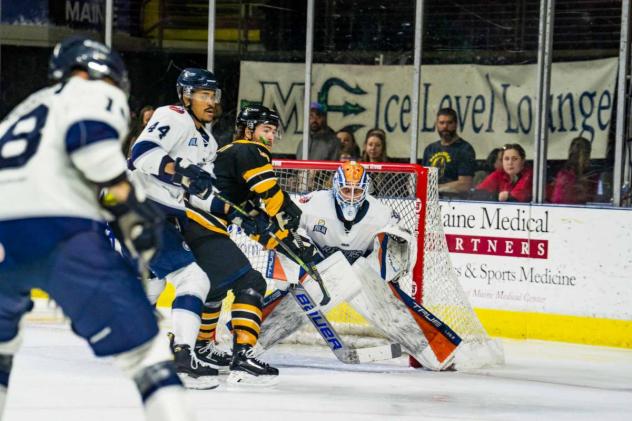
(412,192)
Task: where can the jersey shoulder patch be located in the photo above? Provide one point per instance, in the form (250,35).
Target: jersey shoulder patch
(177,108)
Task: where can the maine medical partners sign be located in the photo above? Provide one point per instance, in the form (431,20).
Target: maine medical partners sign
(549,260)
(495,104)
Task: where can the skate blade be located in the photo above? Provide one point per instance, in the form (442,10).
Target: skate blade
(199,383)
(221,369)
(241,378)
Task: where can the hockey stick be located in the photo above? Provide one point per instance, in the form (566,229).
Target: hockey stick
(344,353)
(309,268)
(425,314)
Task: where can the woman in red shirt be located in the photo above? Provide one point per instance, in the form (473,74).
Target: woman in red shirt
(575,183)
(512,182)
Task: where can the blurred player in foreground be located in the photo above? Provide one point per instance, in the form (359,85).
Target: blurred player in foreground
(61,147)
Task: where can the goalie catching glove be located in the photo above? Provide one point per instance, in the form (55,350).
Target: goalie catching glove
(192,178)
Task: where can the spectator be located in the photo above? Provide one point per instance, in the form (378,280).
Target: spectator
(493,162)
(138,125)
(375,146)
(323,143)
(145,115)
(513,182)
(453,156)
(349,149)
(574,183)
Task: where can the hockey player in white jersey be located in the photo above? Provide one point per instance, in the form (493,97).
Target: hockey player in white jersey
(58,149)
(172,157)
(346,221)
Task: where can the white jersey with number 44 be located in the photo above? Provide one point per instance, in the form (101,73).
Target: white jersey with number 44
(170,133)
(328,232)
(54,142)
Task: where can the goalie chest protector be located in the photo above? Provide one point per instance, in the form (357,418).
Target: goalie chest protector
(323,226)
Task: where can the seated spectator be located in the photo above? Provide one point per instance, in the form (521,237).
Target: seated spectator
(452,155)
(493,162)
(349,149)
(513,182)
(574,183)
(375,146)
(323,143)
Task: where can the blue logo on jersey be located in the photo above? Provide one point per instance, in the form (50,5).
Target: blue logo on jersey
(320,227)
(193,141)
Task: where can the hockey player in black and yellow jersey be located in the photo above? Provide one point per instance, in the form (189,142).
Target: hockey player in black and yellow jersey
(244,176)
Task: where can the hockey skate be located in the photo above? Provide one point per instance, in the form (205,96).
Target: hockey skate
(245,369)
(195,374)
(208,352)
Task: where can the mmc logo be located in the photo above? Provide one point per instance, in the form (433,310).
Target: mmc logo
(319,321)
(289,104)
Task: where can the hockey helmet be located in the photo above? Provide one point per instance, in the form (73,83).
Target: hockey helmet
(76,52)
(350,186)
(251,116)
(194,78)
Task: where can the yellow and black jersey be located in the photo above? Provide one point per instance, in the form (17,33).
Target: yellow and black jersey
(243,171)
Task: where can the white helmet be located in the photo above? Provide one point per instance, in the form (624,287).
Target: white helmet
(351,183)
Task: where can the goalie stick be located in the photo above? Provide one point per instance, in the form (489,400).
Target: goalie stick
(344,353)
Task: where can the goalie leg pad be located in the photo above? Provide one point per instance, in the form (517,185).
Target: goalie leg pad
(389,315)
(287,317)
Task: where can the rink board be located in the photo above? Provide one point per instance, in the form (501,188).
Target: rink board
(513,324)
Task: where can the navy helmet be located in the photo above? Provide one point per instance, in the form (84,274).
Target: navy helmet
(251,116)
(193,78)
(76,52)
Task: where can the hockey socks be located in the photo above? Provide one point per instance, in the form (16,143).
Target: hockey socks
(208,326)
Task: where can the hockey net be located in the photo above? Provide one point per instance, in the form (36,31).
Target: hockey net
(411,191)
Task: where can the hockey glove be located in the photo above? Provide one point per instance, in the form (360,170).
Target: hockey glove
(138,224)
(194,179)
(308,253)
(289,216)
(257,224)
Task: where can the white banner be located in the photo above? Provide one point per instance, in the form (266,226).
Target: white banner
(545,259)
(495,104)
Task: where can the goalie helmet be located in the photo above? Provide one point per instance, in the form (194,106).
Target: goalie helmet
(351,183)
(193,78)
(98,60)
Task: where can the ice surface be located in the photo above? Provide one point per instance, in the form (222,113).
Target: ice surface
(55,377)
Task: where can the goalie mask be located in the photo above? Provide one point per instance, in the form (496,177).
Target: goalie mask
(351,183)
